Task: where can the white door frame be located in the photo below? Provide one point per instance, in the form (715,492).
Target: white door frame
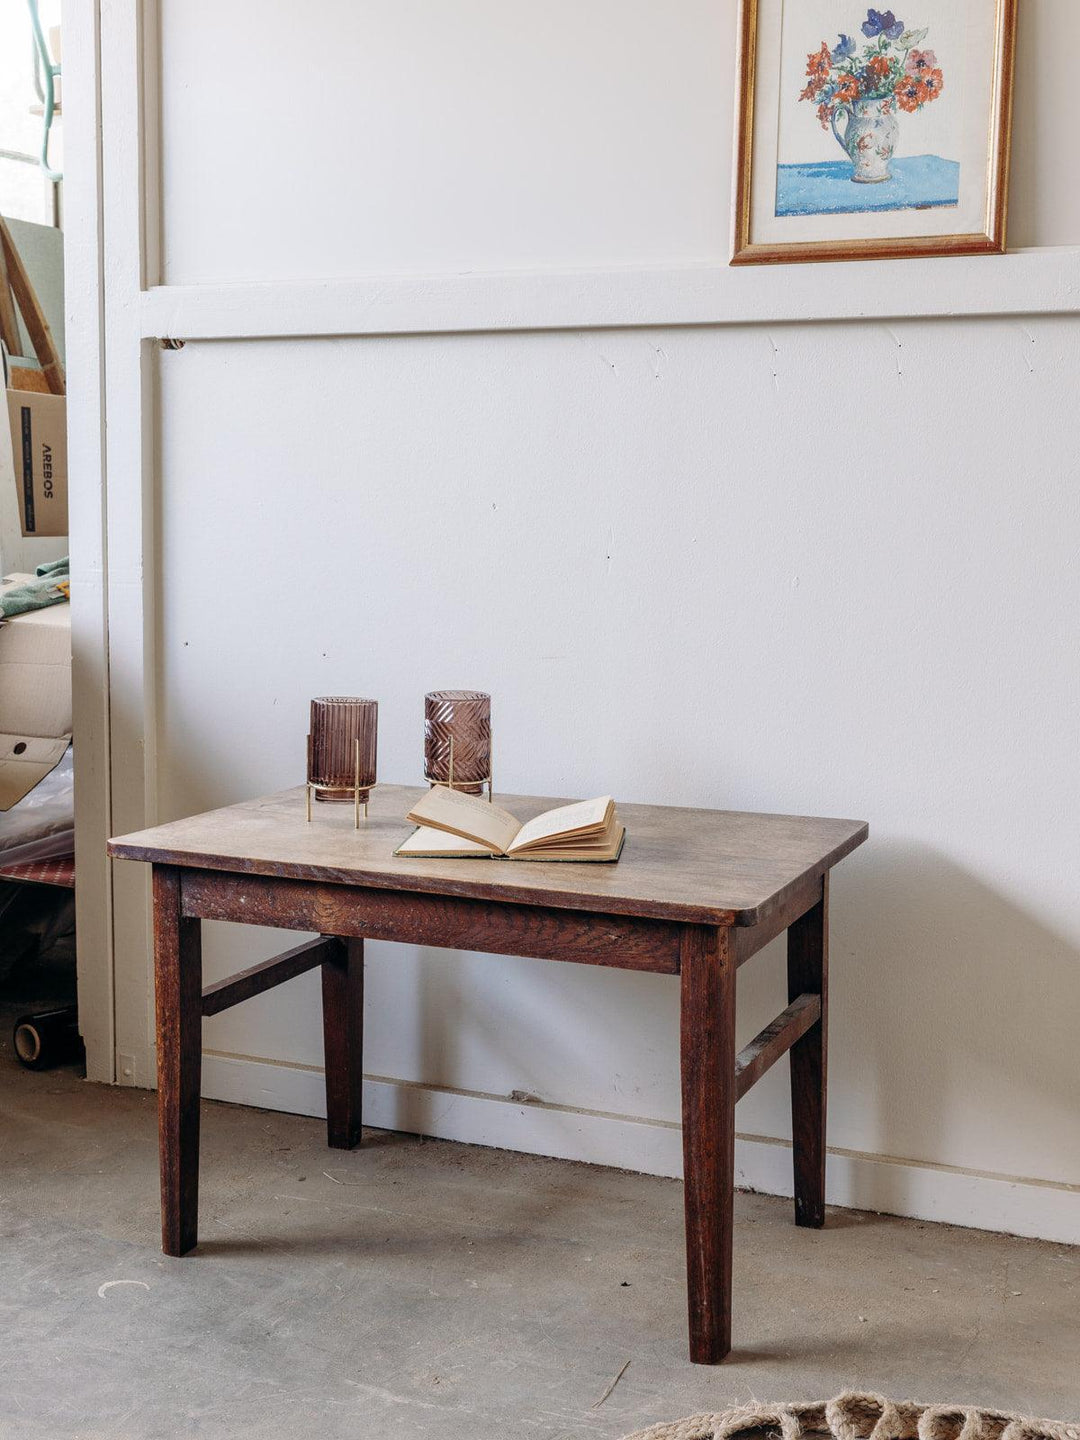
(84,338)
(110,419)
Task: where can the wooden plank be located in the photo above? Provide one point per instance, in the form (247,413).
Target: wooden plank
(697,866)
(775,1040)
(443,921)
(1025,282)
(9,324)
(708,1121)
(257,978)
(177,992)
(808,971)
(37,327)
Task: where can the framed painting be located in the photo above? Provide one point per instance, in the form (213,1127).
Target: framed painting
(871,134)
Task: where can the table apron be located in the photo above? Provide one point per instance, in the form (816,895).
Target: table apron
(444,921)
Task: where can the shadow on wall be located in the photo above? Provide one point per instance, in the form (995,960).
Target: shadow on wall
(563,1034)
(938,984)
(937,981)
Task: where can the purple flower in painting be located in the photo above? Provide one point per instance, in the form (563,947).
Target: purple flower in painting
(844,50)
(882,22)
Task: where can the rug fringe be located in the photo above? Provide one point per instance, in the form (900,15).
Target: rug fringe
(854,1416)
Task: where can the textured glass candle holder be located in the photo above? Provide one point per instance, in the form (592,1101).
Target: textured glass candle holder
(457,740)
(342,747)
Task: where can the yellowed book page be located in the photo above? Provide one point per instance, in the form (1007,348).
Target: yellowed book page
(592,839)
(608,851)
(468,815)
(565,820)
(426,841)
(578,842)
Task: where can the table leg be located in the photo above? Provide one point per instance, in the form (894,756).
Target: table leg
(178,1000)
(707,962)
(343,1042)
(808,972)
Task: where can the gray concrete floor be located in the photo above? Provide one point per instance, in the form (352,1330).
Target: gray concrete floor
(428,1289)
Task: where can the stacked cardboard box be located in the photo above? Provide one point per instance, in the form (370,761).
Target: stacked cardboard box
(35,695)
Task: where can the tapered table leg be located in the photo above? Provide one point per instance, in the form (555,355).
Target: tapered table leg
(708,1122)
(343,1042)
(808,973)
(178,1000)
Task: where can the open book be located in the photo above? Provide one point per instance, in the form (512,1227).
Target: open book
(456,826)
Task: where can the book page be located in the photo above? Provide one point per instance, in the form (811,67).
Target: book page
(467,815)
(609,849)
(426,841)
(565,820)
(591,839)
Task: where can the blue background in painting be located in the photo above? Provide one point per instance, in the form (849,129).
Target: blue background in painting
(826,187)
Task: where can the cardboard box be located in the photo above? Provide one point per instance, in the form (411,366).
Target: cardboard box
(38,427)
(35,695)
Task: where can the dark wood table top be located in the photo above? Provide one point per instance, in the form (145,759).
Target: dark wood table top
(712,867)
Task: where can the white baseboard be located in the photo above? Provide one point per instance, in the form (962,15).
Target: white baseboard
(856,1180)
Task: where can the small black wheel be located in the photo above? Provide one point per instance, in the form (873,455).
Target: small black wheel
(48,1038)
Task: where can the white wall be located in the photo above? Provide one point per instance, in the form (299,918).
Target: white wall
(469,136)
(687,564)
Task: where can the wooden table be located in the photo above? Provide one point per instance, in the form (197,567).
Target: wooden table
(696,893)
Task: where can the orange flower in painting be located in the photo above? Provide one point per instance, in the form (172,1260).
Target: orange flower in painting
(817,68)
(824,114)
(933,84)
(847,89)
(911,93)
(877,70)
(818,62)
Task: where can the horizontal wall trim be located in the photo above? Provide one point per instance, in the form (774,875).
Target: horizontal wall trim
(1025,282)
(857,1180)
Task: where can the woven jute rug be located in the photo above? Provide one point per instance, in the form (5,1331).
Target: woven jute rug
(860,1417)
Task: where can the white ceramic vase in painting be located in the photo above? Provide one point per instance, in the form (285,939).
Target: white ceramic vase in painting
(869,137)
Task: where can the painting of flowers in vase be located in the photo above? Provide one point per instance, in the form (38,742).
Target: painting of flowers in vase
(863,88)
(872,131)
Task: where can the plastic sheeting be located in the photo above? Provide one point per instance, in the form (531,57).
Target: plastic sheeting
(42,825)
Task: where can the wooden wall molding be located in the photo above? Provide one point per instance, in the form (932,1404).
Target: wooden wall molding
(1024,282)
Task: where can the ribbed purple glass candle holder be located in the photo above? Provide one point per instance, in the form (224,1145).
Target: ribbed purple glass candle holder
(342,747)
(457,738)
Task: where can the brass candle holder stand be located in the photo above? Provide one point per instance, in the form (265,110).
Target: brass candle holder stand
(342,751)
(449,783)
(355,791)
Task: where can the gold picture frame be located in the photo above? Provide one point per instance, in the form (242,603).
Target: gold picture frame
(757,241)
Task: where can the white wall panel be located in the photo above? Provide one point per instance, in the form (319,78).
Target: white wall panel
(827,569)
(1044,204)
(392,135)
(413,135)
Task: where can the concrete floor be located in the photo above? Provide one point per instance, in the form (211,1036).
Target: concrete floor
(428,1289)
